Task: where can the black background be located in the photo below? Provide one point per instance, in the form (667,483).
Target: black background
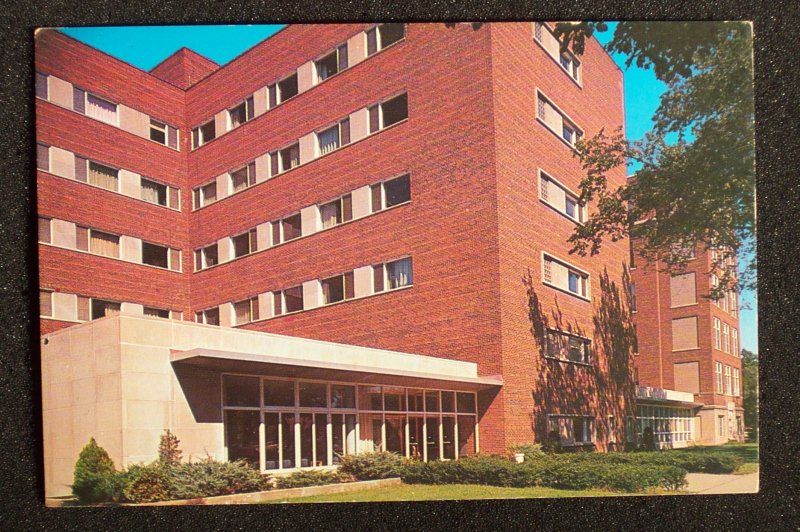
(777,102)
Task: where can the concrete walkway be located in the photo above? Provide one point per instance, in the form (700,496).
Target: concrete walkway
(721,484)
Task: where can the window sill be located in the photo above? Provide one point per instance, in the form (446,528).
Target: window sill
(326,229)
(574,362)
(685,350)
(118,193)
(564,290)
(118,259)
(65,320)
(558,135)
(277,105)
(270,178)
(684,306)
(116,126)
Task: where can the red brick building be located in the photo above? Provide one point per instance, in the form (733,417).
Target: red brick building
(395,188)
(688,342)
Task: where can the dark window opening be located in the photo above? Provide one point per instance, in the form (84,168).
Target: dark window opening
(395,110)
(397,190)
(291,227)
(101,308)
(287,88)
(289,157)
(293,297)
(391,33)
(154,255)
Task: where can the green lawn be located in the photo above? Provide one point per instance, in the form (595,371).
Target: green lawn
(423,492)
(747,451)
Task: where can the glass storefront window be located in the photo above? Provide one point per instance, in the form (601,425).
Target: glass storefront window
(240,391)
(343,396)
(271,451)
(278,393)
(416,428)
(287,434)
(343,428)
(396,433)
(432,439)
(448,402)
(241,435)
(394,399)
(431,401)
(369,398)
(449,437)
(415,401)
(466,403)
(466,435)
(371,432)
(313,394)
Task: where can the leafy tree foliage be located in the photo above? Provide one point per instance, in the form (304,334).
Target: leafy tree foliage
(696,184)
(169,452)
(95,479)
(750,392)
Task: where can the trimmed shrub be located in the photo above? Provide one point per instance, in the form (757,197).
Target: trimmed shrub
(147,483)
(694,461)
(209,478)
(372,466)
(95,478)
(301,479)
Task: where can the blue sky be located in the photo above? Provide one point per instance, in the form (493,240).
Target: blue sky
(146,46)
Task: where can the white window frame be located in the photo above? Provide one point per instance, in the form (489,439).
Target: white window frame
(577,78)
(587,348)
(717,324)
(379,38)
(728,380)
(203,260)
(586,276)
(86,108)
(565,118)
(736,382)
(582,208)
(200,140)
(718,377)
(726,338)
(247,110)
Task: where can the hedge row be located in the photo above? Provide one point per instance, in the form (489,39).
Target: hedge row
(547,471)
(692,461)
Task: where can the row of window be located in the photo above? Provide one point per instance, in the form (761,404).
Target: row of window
(543,35)
(66,95)
(72,236)
(571,430)
(282,424)
(556,120)
(726,338)
(66,164)
(71,307)
(309,220)
(332,137)
(731,383)
(669,423)
(568,347)
(302,79)
(373,279)
(729,301)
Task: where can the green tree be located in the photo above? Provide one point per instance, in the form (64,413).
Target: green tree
(750,392)
(96,479)
(169,452)
(696,184)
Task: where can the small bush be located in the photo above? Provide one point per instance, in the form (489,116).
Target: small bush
(169,451)
(95,478)
(209,478)
(372,466)
(147,483)
(530,450)
(301,479)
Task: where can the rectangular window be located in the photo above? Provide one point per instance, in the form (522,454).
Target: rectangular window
(84,308)
(388,113)
(397,190)
(728,383)
(43,157)
(736,382)
(561,199)
(726,338)
(205,195)
(556,121)
(158,132)
(246,311)
(78,100)
(568,347)
(102,308)
(155,255)
(683,290)
(718,376)
(203,133)
(105,244)
(103,176)
(399,273)
(379,278)
(208,316)
(292,300)
(735,342)
(565,277)
(331,64)
(287,88)
(241,113)
(156,312)
(291,227)
(384,35)
(572,430)
(289,157)
(337,211)
(244,177)
(153,192)
(338,288)
(82,238)
(717,334)
(245,243)
(46,303)
(41,86)
(44,230)
(552,46)
(684,333)
(206,257)
(101,109)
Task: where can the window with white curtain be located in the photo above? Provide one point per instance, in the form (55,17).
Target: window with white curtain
(103,176)
(153,192)
(101,308)
(105,244)
(328,139)
(246,311)
(101,109)
(399,273)
(337,211)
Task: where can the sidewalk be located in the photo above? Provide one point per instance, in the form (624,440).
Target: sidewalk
(721,484)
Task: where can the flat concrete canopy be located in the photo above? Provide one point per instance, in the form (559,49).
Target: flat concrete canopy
(310,368)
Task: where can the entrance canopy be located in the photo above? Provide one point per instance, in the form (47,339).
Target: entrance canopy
(311,359)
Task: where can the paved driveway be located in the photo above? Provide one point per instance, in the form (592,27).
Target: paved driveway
(721,484)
